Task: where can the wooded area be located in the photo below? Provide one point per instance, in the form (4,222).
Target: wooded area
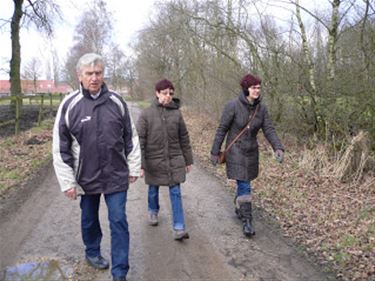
(317,64)
(317,67)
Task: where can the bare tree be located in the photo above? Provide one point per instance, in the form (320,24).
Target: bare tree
(32,71)
(56,66)
(311,70)
(116,69)
(15,62)
(37,12)
(198,57)
(93,33)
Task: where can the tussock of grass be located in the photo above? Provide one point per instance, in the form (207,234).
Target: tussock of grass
(355,159)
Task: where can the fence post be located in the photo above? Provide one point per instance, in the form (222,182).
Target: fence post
(41,110)
(17,123)
(50,103)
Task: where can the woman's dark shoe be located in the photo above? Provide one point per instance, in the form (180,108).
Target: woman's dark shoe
(237,211)
(248,229)
(246,215)
(97,262)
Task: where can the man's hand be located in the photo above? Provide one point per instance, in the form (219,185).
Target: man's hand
(132,179)
(279,155)
(71,193)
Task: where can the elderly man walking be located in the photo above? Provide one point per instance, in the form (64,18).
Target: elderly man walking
(96,151)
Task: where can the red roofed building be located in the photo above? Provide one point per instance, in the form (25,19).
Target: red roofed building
(34,87)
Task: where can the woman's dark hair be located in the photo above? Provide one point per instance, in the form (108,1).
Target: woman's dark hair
(163,84)
(249,80)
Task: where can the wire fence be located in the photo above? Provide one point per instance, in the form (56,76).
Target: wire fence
(47,102)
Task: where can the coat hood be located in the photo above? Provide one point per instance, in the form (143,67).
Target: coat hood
(243,99)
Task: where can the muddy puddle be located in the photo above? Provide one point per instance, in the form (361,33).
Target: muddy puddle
(41,271)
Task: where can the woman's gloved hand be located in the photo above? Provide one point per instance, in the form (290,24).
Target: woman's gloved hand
(214,159)
(279,155)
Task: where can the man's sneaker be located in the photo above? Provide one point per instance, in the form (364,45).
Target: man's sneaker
(97,262)
(119,279)
(181,235)
(153,219)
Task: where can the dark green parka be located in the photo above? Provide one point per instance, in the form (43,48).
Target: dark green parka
(242,160)
(165,144)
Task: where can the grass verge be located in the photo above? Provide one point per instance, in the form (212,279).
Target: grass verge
(25,154)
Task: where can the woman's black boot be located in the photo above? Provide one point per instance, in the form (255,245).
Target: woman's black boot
(245,211)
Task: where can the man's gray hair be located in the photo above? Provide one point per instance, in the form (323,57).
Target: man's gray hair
(89,59)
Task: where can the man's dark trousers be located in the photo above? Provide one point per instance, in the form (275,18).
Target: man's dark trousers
(92,234)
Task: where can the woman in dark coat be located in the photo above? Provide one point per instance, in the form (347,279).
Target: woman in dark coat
(242,159)
(166,153)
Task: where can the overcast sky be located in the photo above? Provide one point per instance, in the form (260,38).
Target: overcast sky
(129,17)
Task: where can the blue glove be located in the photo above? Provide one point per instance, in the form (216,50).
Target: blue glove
(279,155)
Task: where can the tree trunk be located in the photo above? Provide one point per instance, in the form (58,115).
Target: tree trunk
(15,62)
(318,120)
(365,50)
(332,40)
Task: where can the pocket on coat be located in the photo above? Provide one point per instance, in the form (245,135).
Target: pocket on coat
(177,162)
(154,164)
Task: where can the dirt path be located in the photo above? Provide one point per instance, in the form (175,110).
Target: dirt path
(44,225)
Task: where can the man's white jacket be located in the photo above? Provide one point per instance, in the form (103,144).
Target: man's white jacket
(95,143)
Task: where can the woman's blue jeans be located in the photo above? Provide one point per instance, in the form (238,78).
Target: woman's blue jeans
(243,188)
(176,203)
(92,233)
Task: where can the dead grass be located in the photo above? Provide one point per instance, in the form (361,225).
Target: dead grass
(326,204)
(22,155)
(354,160)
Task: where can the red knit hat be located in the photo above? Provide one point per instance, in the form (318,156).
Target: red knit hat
(164,84)
(250,80)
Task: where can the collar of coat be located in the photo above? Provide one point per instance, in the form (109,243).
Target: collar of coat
(174,104)
(86,93)
(243,98)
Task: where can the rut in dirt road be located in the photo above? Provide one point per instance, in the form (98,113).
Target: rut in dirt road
(47,227)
